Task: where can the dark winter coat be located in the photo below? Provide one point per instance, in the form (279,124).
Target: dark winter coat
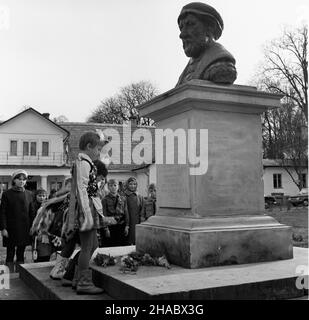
(16,216)
(135,203)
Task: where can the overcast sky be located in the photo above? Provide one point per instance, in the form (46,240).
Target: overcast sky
(65,56)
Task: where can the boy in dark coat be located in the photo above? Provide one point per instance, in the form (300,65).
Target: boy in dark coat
(16,216)
(115,205)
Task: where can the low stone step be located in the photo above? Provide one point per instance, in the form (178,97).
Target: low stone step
(257,281)
(36,277)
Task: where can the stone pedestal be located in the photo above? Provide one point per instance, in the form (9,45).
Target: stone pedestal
(212,213)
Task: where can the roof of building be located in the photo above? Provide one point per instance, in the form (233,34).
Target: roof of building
(278,163)
(33,166)
(76,130)
(39,114)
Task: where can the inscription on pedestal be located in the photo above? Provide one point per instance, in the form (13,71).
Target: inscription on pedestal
(173,182)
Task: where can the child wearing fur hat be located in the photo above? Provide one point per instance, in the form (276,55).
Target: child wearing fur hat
(16,216)
(135,204)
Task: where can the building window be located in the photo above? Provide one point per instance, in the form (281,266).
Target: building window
(13,148)
(29,148)
(277,179)
(45,148)
(304,180)
(33,148)
(55,185)
(25,148)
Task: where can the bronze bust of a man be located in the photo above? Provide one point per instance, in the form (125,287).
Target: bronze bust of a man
(200,25)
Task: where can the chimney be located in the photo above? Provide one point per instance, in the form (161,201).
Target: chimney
(134,120)
(46,115)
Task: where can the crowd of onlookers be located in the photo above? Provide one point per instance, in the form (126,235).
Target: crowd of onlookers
(89,211)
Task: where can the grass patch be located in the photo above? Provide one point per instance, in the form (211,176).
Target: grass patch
(297,218)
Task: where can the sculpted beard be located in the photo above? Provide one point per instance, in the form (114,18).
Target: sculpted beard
(193,47)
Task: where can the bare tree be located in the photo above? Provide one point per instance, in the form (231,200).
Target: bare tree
(285,71)
(123,106)
(285,67)
(285,139)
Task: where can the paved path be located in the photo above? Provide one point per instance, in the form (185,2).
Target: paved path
(18,290)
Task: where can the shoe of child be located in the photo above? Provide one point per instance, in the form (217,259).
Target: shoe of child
(17,265)
(66,282)
(11,266)
(85,284)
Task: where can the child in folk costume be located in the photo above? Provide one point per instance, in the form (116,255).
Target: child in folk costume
(70,276)
(48,223)
(101,177)
(42,247)
(61,203)
(64,268)
(135,203)
(115,205)
(16,215)
(85,208)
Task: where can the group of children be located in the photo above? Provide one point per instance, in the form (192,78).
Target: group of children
(83,213)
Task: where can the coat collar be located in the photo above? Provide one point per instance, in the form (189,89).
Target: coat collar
(84,156)
(128,192)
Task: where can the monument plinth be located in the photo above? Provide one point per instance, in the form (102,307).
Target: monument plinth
(215,216)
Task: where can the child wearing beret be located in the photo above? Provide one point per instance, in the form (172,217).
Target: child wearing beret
(16,216)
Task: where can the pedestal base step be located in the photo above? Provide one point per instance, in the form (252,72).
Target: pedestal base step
(260,281)
(36,277)
(215,241)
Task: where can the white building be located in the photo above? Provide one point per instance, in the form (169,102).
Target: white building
(45,149)
(278,181)
(31,141)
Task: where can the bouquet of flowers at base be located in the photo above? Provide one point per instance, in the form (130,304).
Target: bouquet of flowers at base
(128,264)
(104,260)
(131,262)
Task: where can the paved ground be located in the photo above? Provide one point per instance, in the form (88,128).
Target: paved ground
(18,290)
(28,253)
